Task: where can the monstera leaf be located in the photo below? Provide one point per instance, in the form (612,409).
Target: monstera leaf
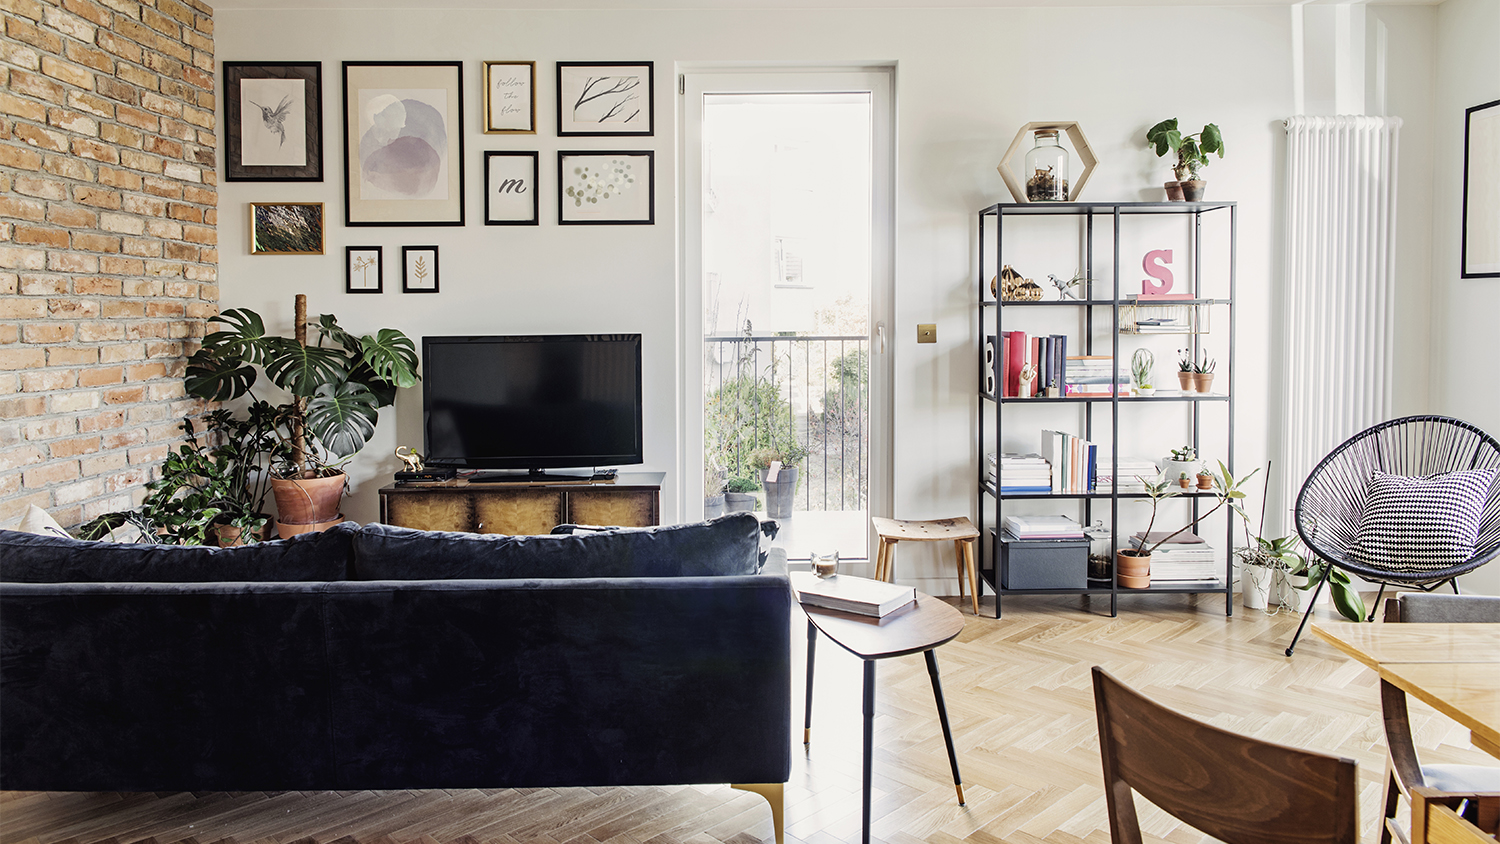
(342,417)
(215,376)
(392,355)
(301,370)
(244,339)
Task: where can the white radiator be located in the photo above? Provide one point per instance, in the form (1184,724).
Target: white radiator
(1339,291)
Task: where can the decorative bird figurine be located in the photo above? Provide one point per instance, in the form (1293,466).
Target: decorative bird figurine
(275,120)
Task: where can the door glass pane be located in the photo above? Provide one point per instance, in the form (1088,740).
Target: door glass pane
(786,273)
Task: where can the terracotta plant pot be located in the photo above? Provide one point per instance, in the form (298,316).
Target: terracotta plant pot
(1174,191)
(1185,380)
(1193,189)
(1184,482)
(230,536)
(1205,481)
(307,501)
(1134,569)
(287,530)
(1203,382)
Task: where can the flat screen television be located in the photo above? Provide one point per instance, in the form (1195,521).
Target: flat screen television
(549,401)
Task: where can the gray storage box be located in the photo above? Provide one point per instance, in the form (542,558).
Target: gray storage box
(1043,563)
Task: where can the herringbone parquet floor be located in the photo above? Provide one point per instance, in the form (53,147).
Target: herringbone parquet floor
(1021,705)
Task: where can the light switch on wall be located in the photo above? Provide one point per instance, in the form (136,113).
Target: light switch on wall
(926,332)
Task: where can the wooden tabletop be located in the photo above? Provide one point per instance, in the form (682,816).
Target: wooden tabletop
(1376,644)
(918,628)
(1469,693)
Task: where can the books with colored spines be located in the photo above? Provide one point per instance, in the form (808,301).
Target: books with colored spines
(1043,527)
(1073,461)
(860,595)
(1021,473)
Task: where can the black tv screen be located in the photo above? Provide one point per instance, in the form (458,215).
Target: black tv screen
(532,402)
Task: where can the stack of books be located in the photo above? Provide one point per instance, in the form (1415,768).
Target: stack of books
(1185,559)
(1021,473)
(1043,527)
(859,595)
(1092,375)
(1132,471)
(1073,461)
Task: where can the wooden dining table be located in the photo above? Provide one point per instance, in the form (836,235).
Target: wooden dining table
(1454,668)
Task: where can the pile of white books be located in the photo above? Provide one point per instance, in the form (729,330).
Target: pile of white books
(1021,473)
(1186,558)
(1043,527)
(860,595)
(1132,471)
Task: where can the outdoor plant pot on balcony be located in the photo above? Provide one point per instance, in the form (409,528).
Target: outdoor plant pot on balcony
(739,502)
(781,492)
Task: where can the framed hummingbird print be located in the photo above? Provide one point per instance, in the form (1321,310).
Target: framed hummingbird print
(273,119)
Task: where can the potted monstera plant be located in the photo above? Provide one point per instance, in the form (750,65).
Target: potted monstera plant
(331,391)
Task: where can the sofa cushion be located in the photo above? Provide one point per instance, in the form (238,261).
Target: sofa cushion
(724,546)
(28,558)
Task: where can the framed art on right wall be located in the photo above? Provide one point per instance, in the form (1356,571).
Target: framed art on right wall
(1481,212)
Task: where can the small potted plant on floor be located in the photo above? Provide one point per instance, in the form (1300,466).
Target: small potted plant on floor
(1192,153)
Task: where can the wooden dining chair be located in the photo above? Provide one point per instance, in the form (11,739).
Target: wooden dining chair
(1434,819)
(1237,789)
(1403,771)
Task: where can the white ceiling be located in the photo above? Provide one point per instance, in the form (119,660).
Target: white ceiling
(682,5)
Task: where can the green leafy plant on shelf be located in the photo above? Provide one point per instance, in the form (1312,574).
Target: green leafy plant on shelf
(1227,492)
(1192,151)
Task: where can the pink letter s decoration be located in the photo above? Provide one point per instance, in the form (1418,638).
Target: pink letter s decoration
(1157,271)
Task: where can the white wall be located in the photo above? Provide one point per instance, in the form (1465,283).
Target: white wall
(966,80)
(1465,310)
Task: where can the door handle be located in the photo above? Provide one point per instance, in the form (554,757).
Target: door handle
(880,337)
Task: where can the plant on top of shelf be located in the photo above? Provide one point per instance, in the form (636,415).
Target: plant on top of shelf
(1192,153)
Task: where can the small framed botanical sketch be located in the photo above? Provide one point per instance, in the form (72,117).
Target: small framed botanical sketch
(273,121)
(604,98)
(419,269)
(286,228)
(510,193)
(510,98)
(606,188)
(364,267)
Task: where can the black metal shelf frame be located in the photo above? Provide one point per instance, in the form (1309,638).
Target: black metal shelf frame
(989,312)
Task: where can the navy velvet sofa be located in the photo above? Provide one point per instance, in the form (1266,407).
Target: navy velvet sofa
(385,658)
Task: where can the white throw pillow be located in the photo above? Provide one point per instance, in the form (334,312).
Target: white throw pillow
(40,522)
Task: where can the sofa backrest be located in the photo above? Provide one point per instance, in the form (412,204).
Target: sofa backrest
(729,545)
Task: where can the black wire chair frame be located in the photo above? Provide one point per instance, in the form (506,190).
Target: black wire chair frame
(1333,496)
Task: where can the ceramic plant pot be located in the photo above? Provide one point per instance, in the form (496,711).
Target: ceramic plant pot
(739,502)
(1203,382)
(286,530)
(1255,586)
(781,492)
(304,502)
(1185,381)
(1205,481)
(1134,569)
(1174,191)
(1193,189)
(231,536)
(713,506)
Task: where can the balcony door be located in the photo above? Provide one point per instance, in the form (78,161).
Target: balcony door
(787,257)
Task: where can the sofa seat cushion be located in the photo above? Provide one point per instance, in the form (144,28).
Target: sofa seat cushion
(28,558)
(724,546)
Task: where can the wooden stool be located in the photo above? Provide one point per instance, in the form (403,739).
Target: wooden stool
(960,531)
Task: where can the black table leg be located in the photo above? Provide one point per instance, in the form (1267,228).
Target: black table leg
(937,692)
(812,641)
(869,745)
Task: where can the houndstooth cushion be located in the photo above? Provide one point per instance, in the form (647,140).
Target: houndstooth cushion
(1421,524)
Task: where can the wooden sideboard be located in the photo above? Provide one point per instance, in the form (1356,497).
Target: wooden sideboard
(630,500)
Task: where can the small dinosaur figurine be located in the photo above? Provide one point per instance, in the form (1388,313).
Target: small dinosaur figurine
(411,459)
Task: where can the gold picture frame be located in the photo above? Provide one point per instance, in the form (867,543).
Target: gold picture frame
(510,98)
(287,228)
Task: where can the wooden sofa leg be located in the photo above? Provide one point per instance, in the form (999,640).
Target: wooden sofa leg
(773,792)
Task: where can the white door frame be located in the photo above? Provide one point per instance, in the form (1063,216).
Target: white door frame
(693,81)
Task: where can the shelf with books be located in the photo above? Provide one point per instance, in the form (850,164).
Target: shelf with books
(1092,341)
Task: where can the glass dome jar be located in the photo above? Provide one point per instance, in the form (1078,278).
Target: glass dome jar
(1046,169)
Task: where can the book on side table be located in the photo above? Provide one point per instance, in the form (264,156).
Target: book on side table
(860,595)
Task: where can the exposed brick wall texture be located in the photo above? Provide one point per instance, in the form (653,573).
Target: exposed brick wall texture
(108,244)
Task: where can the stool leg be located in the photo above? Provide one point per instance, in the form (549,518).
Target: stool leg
(880,552)
(958,559)
(968,549)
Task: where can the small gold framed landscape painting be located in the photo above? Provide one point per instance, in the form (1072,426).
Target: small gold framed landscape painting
(510,98)
(286,228)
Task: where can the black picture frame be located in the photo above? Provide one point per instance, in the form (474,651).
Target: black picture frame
(419,285)
(585,213)
(1481,194)
(506,172)
(414,210)
(589,114)
(350,253)
(236,74)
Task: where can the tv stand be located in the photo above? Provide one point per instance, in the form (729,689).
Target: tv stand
(537,476)
(522,504)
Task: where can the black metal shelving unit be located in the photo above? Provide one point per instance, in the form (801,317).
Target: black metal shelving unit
(1101,307)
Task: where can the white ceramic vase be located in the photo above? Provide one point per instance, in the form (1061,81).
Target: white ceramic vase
(1255,586)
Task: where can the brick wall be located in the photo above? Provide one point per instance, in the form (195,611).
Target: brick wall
(108,243)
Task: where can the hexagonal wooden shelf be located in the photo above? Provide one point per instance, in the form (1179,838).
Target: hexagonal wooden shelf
(1080,146)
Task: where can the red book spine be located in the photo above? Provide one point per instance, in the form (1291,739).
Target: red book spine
(1013,363)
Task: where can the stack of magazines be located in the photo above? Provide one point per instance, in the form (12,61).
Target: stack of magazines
(847,593)
(1043,527)
(1184,559)
(1021,473)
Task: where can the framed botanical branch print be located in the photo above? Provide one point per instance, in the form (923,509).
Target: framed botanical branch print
(510,193)
(1481,210)
(606,188)
(364,269)
(510,98)
(419,269)
(403,144)
(604,98)
(286,228)
(273,121)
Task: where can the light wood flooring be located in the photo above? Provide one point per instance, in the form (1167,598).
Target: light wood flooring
(1021,705)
